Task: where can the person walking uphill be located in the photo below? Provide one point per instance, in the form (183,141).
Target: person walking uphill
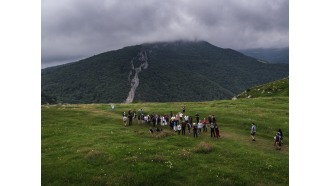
(253,131)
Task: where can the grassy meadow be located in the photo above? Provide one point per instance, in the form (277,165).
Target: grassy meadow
(87,144)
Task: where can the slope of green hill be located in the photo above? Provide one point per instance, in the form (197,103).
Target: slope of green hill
(89,145)
(273,89)
(166,71)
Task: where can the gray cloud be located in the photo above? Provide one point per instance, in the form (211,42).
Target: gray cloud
(76,29)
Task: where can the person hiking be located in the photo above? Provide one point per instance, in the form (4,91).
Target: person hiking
(204,125)
(195,130)
(130,117)
(197,117)
(214,120)
(184,124)
(217,131)
(175,125)
(189,127)
(125,120)
(253,131)
(277,141)
(179,129)
(281,133)
(199,126)
(212,129)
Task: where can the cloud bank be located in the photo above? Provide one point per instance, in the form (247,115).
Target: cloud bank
(76,29)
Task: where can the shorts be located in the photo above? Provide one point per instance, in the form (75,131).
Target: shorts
(253,133)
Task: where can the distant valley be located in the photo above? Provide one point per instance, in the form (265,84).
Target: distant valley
(270,55)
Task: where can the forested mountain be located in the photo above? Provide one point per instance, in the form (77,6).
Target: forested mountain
(158,72)
(271,55)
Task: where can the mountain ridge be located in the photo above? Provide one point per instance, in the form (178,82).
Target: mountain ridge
(177,71)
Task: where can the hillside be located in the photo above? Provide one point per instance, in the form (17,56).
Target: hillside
(277,88)
(88,144)
(271,55)
(158,72)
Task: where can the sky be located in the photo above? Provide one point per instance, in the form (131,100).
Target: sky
(75,29)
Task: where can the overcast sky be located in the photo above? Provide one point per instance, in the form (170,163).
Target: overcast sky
(76,29)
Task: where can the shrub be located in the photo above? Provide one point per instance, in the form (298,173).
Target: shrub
(204,147)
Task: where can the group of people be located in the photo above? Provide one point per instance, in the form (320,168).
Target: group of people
(180,122)
(177,122)
(278,138)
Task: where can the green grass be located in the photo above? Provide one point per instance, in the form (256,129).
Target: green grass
(88,145)
(279,88)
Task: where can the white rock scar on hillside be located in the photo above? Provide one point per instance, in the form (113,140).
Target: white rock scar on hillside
(142,56)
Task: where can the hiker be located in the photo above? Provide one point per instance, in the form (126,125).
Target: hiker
(217,131)
(277,141)
(184,124)
(130,117)
(199,126)
(183,109)
(145,119)
(125,120)
(281,133)
(195,130)
(180,115)
(212,129)
(177,116)
(163,120)
(189,127)
(214,120)
(171,124)
(175,125)
(204,125)
(186,117)
(197,117)
(253,131)
(179,129)
(190,120)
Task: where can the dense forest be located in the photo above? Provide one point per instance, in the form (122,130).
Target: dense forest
(177,71)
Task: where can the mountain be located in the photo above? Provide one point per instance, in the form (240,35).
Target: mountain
(271,55)
(158,72)
(273,89)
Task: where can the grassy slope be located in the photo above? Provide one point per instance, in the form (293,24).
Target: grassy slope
(88,145)
(277,88)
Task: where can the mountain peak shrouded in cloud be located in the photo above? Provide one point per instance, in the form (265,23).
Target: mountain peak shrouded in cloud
(76,29)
